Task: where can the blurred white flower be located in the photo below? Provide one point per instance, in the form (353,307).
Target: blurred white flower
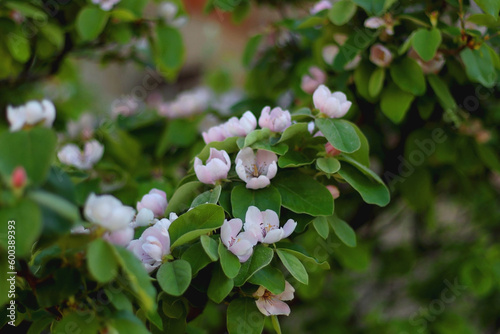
(106,4)
(108,212)
(83,127)
(432,66)
(120,237)
(380,55)
(186,104)
(31,113)
(155,200)
(71,155)
(234,127)
(320,6)
(168,12)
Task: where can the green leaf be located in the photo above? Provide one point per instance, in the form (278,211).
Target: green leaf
(125,322)
(340,133)
(229,262)
(298,158)
(56,203)
(101,261)
(302,255)
(229,145)
(293,132)
(74,321)
(260,258)
(220,285)
(255,136)
(210,246)
(194,223)
(363,154)
(264,199)
(27,10)
(138,278)
(328,165)
(27,226)
(484,20)
(174,277)
(408,75)
(489,156)
(19,46)
(294,266)
(395,103)
(491,7)
(371,188)
(119,299)
(270,278)
(376,82)
(196,257)
(38,151)
(90,22)
(321,226)
(342,12)
(362,75)
(135,6)
(170,47)
(375,7)
(479,66)
(251,49)
(276,324)
(345,232)
(302,194)
(442,91)
(208,197)
(184,194)
(426,42)
(244,317)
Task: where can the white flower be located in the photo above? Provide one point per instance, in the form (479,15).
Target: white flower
(380,55)
(215,169)
(320,6)
(187,103)
(71,155)
(256,169)
(265,225)
(108,212)
(31,113)
(168,11)
(145,217)
(334,105)
(377,22)
(106,4)
(83,127)
(312,80)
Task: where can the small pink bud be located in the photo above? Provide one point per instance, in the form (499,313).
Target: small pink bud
(331,151)
(19,177)
(334,191)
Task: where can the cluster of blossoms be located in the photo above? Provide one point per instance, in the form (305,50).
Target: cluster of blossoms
(186,104)
(260,226)
(31,114)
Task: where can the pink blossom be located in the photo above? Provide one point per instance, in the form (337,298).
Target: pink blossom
(334,105)
(271,304)
(155,201)
(256,169)
(276,120)
(311,82)
(234,127)
(264,226)
(432,66)
(334,191)
(108,212)
(18,178)
(320,6)
(120,237)
(215,169)
(153,245)
(239,243)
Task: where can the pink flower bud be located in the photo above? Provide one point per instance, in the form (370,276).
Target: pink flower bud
(320,6)
(276,120)
(310,82)
(334,191)
(331,151)
(155,201)
(18,177)
(380,55)
(215,169)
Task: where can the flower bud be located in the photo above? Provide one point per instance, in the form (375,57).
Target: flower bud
(276,120)
(334,191)
(155,201)
(18,179)
(215,169)
(334,105)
